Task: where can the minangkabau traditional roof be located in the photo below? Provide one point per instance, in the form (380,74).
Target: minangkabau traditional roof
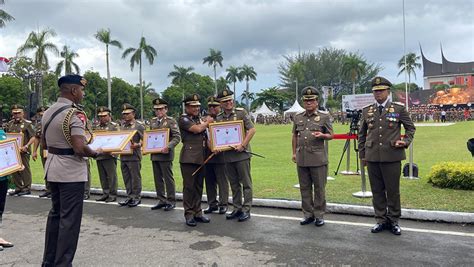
(447,67)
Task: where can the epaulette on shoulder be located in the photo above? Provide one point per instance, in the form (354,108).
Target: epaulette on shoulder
(323,112)
(301,112)
(154,118)
(27,121)
(140,122)
(220,113)
(113,123)
(398,103)
(169,118)
(366,106)
(239,109)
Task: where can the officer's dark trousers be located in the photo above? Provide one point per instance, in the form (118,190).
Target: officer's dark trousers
(64,223)
(43,161)
(108,176)
(163,175)
(240,181)
(385,184)
(22,179)
(3,196)
(313,204)
(192,190)
(216,178)
(132,178)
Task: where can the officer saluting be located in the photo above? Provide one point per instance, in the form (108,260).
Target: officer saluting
(193,153)
(310,129)
(64,137)
(163,162)
(107,164)
(18,124)
(382,149)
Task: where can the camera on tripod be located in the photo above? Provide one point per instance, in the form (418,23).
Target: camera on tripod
(354,115)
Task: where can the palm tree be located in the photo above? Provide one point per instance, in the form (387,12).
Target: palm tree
(39,43)
(180,75)
(4,16)
(136,58)
(67,63)
(247,73)
(214,58)
(247,96)
(411,64)
(353,66)
(103,35)
(233,76)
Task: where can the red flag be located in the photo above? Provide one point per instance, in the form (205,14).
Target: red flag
(4,64)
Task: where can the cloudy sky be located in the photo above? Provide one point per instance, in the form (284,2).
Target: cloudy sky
(257,33)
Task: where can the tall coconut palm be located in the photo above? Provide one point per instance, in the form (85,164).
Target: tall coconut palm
(136,58)
(215,58)
(180,75)
(4,16)
(411,64)
(233,76)
(38,42)
(353,66)
(248,73)
(103,35)
(67,61)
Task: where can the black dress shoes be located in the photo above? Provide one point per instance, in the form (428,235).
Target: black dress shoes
(110,199)
(102,198)
(158,206)
(244,216)
(16,192)
(202,219)
(23,193)
(306,221)
(191,222)
(86,196)
(169,207)
(233,215)
(222,209)
(124,202)
(319,222)
(134,203)
(396,230)
(45,194)
(378,227)
(210,209)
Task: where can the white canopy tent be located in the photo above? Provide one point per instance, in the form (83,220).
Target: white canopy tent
(294,109)
(264,110)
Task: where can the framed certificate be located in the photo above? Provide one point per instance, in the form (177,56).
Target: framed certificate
(10,159)
(155,140)
(111,141)
(17,136)
(225,135)
(127,150)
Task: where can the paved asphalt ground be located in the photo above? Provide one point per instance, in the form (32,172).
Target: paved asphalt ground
(113,236)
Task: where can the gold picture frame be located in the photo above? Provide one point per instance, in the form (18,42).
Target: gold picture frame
(17,136)
(10,159)
(113,142)
(226,135)
(155,140)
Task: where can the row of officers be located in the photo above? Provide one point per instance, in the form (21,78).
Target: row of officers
(224,168)
(310,130)
(63,134)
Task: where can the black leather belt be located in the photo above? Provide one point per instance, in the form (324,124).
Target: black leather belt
(61,151)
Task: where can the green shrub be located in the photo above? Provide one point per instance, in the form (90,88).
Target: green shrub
(455,175)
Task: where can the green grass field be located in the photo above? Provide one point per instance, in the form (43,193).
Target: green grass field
(275,176)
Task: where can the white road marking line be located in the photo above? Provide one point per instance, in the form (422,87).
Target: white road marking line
(417,230)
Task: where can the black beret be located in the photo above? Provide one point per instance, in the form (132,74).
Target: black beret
(72,79)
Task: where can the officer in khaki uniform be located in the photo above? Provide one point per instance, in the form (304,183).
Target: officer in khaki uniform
(192,156)
(215,173)
(63,134)
(310,128)
(163,162)
(18,124)
(39,115)
(132,164)
(237,160)
(107,164)
(382,149)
